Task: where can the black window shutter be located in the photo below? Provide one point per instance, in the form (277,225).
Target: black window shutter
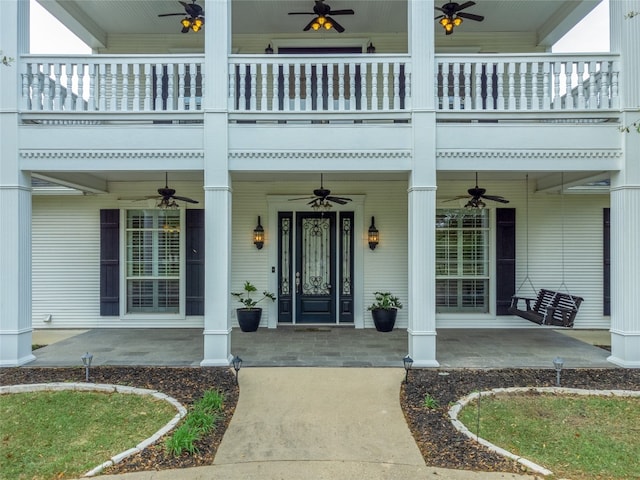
(505,258)
(194,244)
(110,263)
(606,267)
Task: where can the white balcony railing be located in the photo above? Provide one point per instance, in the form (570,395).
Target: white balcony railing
(545,82)
(375,85)
(319,83)
(123,83)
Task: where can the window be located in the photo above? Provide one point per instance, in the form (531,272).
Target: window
(462,260)
(153,242)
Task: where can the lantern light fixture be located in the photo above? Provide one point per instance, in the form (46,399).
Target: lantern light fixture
(558,363)
(373,235)
(258,235)
(237,364)
(407,362)
(86,361)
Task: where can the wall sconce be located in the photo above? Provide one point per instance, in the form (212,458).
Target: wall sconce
(268,50)
(371,48)
(374,237)
(258,235)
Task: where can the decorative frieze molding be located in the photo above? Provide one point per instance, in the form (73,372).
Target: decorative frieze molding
(110,154)
(530,154)
(313,155)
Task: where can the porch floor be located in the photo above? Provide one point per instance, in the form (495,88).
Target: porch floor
(325,347)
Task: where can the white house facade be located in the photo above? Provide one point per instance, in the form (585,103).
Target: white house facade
(244,118)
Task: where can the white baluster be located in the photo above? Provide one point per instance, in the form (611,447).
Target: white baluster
(275,99)
(232,88)
(182,86)
(557,100)
(396,86)
(202,82)
(436,84)
(456,86)
(319,87)
(580,103)
(308,79)
(341,80)
(351,104)
(157,104)
(500,86)
(148,85)
(615,98)
(26,91)
(36,91)
(546,86)
(80,104)
(69,102)
(102,84)
(523,86)
(296,87)
(568,65)
(193,86)
(407,86)
(512,86)
(466,72)
(446,99)
(56,101)
(535,99)
(242,91)
(171,83)
(46,87)
(136,87)
(478,85)
(253,85)
(93,76)
(374,86)
(263,83)
(331,104)
(124,102)
(364,82)
(113,101)
(604,84)
(286,90)
(385,86)
(593,101)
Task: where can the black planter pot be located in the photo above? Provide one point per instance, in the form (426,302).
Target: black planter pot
(249,318)
(384,320)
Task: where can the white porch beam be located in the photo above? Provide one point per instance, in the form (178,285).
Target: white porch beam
(555,182)
(567,16)
(72,16)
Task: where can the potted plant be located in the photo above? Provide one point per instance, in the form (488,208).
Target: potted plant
(384,311)
(249,315)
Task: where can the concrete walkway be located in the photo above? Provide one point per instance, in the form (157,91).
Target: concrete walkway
(318,423)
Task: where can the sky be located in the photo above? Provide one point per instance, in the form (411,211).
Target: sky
(48,36)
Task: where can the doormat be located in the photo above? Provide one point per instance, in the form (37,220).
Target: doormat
(313,329)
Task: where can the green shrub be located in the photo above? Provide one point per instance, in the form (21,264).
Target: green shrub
(182,440)
(430,402)
(200,421)
(211,401)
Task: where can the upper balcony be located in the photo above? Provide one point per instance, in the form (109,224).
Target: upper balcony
(351,88)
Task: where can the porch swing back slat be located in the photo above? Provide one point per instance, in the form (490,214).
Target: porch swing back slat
(548,308)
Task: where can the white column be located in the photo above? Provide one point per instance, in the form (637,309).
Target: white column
(422,188)
(15,197)
(625,195)
(217,187)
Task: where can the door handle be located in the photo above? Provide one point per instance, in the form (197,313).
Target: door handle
(297,282)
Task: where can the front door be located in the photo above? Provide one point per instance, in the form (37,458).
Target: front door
(315,267)
(315,258)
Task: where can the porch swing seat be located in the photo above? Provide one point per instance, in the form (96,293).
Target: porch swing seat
(548,308)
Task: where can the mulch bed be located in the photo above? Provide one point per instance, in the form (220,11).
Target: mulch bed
(440,444)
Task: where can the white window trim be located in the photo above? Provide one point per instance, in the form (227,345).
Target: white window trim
(181,315)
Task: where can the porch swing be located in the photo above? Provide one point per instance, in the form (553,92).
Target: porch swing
(549,307)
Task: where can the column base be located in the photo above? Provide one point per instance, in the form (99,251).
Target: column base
(422,348)
(217,348)
(15,349)
(625,349)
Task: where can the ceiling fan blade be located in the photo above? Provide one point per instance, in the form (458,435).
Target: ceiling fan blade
(495,198)
(339,28)
(314,201)
(300,198)
(339,200)
(301,13)
(459,197)
(347,11)
(471,16)
(465,5)
(439,17)
(171,14)
(308,27)
(439,8)
(185,199)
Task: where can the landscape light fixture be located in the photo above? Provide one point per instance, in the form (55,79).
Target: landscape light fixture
(86,361)
(258,235)
(373,235)
(558,363)
(237,364)
(407,361)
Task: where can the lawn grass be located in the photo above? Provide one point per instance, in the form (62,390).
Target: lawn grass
(46,435)
(577,437)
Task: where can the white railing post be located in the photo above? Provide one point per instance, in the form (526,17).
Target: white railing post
(26,91)
(232,88)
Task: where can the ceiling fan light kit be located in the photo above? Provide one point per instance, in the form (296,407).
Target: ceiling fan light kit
(194,19)
(452,16)
(323,20)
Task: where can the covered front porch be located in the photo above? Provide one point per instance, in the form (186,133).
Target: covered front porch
(326,347)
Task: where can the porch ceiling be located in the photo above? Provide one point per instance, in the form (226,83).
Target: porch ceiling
(94,20)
